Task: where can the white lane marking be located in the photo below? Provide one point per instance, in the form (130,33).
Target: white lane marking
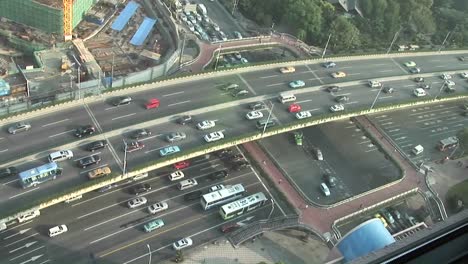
(315,75)
(441,66)
(311,110)
(342,94)
(158,135)
(109,108)
(346,67)
(6,183)
(409,85)
(275,84)
(210,167)
(152,150)
(66,132)
(5,150)
(385,97)
(24,254)
(247,84)
(351,74)
(394,130)
(370,150)
(433,60)
(54,123)
(270,76)
(181,92)
(19,194)
(386,71)
(25,246)
(18,233)
(184,102)
(45,261)
(115,118)
(94,153)
(86,171)
(354,102)
(364,142)
(400,138)
(1,138)
(304,101)
(409,145)
(376,65)
(24,238)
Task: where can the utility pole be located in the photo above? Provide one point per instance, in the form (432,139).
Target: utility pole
(234,6)
(124,169)
(375,100)
(440,90)
(445,39)
(112,70)
(326,45)
(393,40)
(79,82)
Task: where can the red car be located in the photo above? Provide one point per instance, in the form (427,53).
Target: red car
(181,165)
(294,108)
(134,145)
(152,103)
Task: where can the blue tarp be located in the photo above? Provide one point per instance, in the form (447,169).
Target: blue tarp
(363,239)
(143,31)
(125,16)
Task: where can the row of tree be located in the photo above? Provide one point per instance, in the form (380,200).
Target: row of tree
(422,22)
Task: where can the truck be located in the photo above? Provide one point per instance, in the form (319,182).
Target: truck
(201,9)
(447,143)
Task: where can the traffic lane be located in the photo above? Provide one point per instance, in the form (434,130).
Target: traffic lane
(209,234)
(435,63)
(118,230)
(45,133)
(12,194)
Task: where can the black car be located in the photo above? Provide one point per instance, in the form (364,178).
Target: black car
(257,106)
(193,195)
(219,174)
(333,89)
(236,158)
(140,188)
(387,89)
(240,165)
(329,180)
(341,98)
(96,145)
(141,133)
(8,172)
(90,160)
(85,131)
(419,79)
(185,119)
(224,153)
(122,100)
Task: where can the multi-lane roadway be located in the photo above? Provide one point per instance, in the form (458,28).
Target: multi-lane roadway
(51,131)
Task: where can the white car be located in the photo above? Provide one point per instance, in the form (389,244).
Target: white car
(337,108)
(183,243)
(375,84)
(464,75)
(176,175)
(410,64)
(449,83)
(254,115)
(446,76)
(60,155)
(183,17)
(57,230)
(325,189)
(419,92)
(216,188)
(157,207)
(215,136)
(303,114)
(139,201)
(216,27)
(207,124)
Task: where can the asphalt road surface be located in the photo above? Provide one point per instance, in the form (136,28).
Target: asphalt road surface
(51,131)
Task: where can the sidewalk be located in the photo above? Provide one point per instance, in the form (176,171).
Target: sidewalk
(272,247)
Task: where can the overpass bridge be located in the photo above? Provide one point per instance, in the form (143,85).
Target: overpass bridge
(200,95)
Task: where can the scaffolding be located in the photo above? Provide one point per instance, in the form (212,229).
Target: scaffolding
(48,16)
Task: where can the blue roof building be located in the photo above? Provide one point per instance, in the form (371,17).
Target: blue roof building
(122,20)
(143,31)
(363,239)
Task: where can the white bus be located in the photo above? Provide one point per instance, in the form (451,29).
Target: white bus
(222,196)
(246,204)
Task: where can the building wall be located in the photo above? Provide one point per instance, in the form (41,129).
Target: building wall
(33,14)
(80,8)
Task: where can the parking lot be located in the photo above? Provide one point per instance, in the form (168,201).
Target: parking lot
(425,126)
(348,156)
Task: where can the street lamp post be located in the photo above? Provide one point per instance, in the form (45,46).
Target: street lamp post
(377,96)
(440,90)
(124,169)
(149,252)
(272,208)
(268,118)
(79,82)
(326,45)
(393,40)
(445,39)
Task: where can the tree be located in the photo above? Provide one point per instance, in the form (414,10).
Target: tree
(345,35)
(304,15)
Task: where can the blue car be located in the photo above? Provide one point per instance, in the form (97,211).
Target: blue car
(329,64)
(169,150)
(297,84)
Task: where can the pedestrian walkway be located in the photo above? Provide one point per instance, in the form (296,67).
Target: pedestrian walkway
(207,51)
(272,247)
(322,218)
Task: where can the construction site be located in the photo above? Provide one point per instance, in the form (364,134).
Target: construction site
(78,37)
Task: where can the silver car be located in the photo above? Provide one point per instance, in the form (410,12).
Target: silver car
(19,127)
(176,136)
